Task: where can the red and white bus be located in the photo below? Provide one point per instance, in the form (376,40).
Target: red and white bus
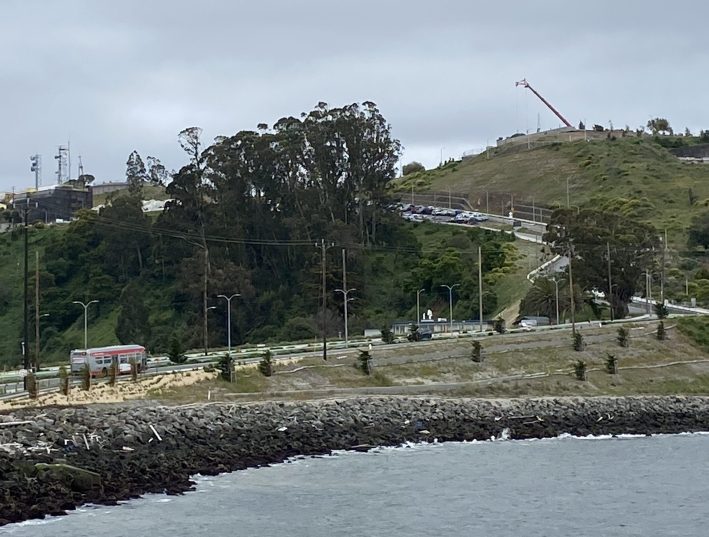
(99,359)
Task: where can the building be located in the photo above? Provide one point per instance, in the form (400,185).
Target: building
(57,202)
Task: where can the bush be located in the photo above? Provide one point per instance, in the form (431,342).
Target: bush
(611,364)
(414,334)
(266,364)
(412,167)
(133,370)
(476,352)
(622,338)
(580,370)
(365,362)
(661,332)
(579,344)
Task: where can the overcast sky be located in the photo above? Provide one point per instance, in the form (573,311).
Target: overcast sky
(116,76)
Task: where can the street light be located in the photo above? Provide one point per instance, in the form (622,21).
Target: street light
(344,294)
(556,286)
(418,305)
(206,332)
(86,308)
(228,317)
(450,301)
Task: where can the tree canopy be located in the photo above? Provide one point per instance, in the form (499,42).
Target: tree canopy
(588,236)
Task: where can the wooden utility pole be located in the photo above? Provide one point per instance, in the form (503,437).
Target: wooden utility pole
(323,252)
(480,285)
(610,284)
(36,311)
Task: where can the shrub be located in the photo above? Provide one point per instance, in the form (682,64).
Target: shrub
(580,370)
(622,338)
(133,370)
(266,364)
(476,352)
(579,344)
(365,362)
(414,334)
(611,364)
(661,332)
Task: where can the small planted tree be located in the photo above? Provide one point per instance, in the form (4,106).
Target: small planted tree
(176,351)
(364,362)
(387,335)
(661,311)
(85,378)
(112,374)
(579,343)
(499,325)
(133,370)
(31,381)
(580,370)
(611,364)
(63,381)
(623,339)
(414,334)
(266,364)
(476,353)
(661,331)
(226,368)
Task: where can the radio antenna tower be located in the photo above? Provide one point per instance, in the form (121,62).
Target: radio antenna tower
(36,167)
(62,158)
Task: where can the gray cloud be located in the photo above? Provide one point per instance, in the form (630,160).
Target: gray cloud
(118,76)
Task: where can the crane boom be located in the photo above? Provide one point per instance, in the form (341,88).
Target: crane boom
(527,85)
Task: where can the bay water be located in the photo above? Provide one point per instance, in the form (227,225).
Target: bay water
(639,486)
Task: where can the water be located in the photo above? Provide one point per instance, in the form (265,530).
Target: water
(567,486)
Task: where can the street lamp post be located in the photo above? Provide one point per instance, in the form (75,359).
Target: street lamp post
(556,288)
(418,305)
(450,302)
(228,317)
(346,292)
(86,308)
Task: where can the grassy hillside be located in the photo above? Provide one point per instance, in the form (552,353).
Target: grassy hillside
(635,176)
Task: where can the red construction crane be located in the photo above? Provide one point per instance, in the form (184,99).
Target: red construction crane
(527,85)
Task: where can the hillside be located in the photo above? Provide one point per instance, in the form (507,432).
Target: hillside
(635,176)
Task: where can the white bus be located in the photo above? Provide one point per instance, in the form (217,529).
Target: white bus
(99,359)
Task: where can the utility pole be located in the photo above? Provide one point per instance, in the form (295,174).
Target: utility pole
(647,292)
(556,288)
(480,286)
(205,323)
(610,284)
(568,202)
(662,273)
(412,194)
(487,202)
(323,251)
(571,291)
(36,311)
(25,332)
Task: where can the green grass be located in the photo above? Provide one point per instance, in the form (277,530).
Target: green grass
(634,176)
(695,328)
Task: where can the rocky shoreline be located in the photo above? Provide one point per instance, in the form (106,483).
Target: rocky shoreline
(55,459)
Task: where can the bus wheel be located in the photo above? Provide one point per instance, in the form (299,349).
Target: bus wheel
(104,372)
